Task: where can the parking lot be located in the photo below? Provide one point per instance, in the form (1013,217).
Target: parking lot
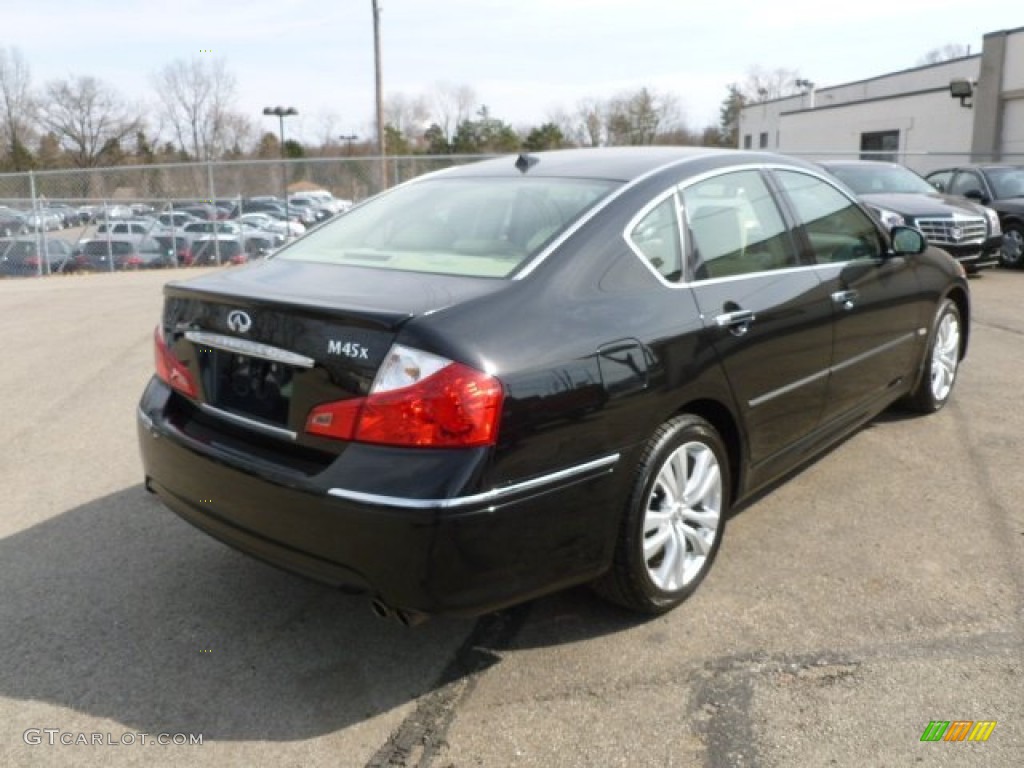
(874,592)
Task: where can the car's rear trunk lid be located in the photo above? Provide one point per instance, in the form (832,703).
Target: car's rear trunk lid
(268,343)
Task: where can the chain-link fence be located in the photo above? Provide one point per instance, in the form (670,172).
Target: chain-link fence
(47,218)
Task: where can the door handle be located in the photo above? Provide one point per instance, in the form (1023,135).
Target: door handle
(847,298)
(738,322)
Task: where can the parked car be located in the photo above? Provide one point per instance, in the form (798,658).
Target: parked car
(178,245)
(212,227)
(43,220)
(175,219)
(210,250)
(269,223)
(123,253)
(327,200)
(140,227)
(272,207)
(12,222)
(970,232)
(69,215)
(20,256)
(1000,187)
(525,373)
(311,208)
(203,211)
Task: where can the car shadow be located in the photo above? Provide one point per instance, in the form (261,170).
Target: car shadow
(120,610)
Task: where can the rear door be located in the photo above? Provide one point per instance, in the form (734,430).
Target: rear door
(766,313)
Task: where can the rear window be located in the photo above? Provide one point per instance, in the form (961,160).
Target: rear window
(479,227)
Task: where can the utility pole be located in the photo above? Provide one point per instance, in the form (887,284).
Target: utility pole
(380,98)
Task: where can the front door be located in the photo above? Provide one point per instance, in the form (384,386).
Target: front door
(877,339)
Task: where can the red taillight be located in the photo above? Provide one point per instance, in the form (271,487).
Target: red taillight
(454,407)
(170,369)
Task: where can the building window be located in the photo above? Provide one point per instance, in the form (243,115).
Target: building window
(762,140)
(880,145)
(746,141)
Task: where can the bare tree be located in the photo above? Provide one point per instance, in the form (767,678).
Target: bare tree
(196,98)
(408,116)
(764,84)
(453,104)
(88,117)
(946,52)
(590,122)
(17,106)
(641,116)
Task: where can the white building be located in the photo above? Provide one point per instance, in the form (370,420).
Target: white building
(910,116)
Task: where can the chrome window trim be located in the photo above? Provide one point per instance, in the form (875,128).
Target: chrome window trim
(681,212)
(599,467)
(537,260)
(650,206)
(250,348)
(242,421)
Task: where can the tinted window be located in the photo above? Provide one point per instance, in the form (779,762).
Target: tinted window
(868,179)
(1007,182)
(480,227)
(940,180)
(736,226)
(656,237)
(837,228)
(966,181)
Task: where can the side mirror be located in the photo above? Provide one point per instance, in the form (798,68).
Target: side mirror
(977,195)
(907,241)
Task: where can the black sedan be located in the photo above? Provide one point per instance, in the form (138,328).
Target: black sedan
(514,376)
(1000,187)
(969,231)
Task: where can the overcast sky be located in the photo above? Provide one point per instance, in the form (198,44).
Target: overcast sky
(524,59)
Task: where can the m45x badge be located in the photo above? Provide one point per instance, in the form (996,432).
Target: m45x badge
(348,349)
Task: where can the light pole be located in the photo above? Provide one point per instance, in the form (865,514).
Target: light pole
(282,113)
(348,138)
(379,89)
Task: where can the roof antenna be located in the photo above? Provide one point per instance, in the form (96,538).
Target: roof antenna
(525,162)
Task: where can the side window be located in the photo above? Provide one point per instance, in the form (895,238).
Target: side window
(965,182)
(837,228)
(940,180)
(736,227)
(656,238)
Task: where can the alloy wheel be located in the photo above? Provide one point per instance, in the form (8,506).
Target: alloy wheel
(945,356)
(682,513)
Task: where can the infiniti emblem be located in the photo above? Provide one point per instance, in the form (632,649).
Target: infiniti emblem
(239,321)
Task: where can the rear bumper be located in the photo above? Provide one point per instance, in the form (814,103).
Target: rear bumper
(465,554)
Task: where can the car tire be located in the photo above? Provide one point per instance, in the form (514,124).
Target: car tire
(1012,253)
(674,519)
(941,363)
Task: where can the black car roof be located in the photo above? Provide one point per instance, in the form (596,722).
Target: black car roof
(619,163)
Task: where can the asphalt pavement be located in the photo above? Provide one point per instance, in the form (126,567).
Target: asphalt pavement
(879,589)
